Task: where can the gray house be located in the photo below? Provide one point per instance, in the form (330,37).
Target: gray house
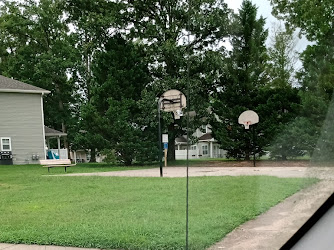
(22,135)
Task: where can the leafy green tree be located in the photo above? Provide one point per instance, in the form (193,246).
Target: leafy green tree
(282,58)
(315,19)
(245,85)
(281,72)
(163,27)
(92,22)
(316,78)
(122,73)
(324,146)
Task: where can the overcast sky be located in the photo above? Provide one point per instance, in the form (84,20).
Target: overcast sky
(264,9)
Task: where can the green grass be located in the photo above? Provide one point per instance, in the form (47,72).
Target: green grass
(83,168)
(130,213)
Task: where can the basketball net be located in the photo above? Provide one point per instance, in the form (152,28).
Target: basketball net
(247,124)
(177,114)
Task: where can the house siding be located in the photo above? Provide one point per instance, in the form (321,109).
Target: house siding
(21,119)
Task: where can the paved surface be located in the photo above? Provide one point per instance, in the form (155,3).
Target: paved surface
(319,172)
(273,228)
(269,230)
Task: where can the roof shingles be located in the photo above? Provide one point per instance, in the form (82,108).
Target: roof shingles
(205,137)
(11,85)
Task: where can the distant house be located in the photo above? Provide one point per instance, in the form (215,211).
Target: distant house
(22,134)
(206,146)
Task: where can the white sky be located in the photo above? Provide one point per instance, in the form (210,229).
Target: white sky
(264,9)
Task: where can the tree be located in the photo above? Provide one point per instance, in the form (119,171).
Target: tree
(315,19)
(163,26)
(92,22)
(281,72)
(122,73)
(241,82)
(282,58)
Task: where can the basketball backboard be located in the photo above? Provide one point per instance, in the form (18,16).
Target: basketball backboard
(248,117)
(173,100)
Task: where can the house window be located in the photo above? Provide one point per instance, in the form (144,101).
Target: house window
(205,129)
(193,147)
(6,144)
(205,150)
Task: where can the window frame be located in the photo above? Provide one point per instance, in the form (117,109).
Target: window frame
(206,150)
(2,144)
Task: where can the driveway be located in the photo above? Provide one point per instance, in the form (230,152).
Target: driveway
(171,172)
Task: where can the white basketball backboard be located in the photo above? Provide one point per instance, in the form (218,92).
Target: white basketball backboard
(248,117)
(173,100)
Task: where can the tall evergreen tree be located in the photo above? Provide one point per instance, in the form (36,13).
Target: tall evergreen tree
(121,72)
(241,86)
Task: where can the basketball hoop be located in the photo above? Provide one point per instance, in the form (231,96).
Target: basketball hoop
(171,101)
(248,118)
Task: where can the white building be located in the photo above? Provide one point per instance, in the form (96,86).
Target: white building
(206,147)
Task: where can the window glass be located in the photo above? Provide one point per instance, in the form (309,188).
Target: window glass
(205,149)
(5,144)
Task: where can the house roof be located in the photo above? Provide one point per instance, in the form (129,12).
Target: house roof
(206,137)
(180,140)
(50,132)
(10,85)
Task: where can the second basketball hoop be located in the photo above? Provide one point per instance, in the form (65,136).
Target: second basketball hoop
(173,101)
(248,118)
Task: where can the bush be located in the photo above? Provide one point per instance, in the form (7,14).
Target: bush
(109,156)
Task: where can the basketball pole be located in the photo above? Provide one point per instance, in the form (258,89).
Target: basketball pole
(253,127)
(160,146)
(188,107)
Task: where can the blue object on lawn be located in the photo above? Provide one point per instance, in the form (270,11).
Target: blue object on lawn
(52,155)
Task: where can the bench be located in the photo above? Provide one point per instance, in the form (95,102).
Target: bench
(56,163)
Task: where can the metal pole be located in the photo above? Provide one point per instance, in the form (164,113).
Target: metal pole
(160,146)
(165,157)
(58,139)
(188,108)
(253,127)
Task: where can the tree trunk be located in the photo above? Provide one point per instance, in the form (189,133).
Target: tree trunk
(92,155)
(171,143)
(171,150)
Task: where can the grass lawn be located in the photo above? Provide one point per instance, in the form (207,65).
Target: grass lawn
(130,213)
(89,168)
